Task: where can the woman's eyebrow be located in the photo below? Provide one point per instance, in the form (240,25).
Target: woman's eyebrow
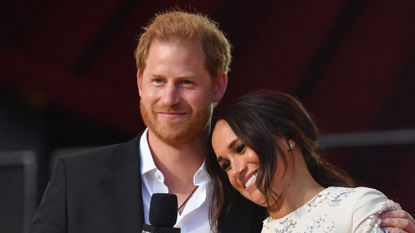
(232,144)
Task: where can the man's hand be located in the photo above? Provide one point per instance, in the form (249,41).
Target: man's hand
(398,221)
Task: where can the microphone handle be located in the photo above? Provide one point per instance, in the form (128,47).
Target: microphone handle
(156,229)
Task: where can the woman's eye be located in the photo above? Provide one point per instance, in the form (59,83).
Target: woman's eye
(225,165)
(240,149)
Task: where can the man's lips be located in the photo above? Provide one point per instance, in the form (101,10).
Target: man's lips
(172,114)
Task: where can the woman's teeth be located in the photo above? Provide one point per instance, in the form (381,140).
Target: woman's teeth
(251,180)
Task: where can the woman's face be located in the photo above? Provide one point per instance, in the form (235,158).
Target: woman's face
(241,163)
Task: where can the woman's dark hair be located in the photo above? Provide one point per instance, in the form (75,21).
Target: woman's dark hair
(257,119)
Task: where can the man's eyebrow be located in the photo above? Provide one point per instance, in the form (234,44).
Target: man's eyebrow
(157,76)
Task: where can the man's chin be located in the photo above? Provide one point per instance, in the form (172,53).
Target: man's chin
(173,135)
(175,140)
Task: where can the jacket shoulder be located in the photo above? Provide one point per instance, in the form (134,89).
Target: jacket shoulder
(113,157)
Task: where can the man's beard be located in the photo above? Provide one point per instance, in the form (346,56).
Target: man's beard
(177,132)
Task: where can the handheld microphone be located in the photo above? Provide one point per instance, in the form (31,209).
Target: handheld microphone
(163,214)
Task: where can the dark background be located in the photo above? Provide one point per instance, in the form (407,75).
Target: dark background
(67,74)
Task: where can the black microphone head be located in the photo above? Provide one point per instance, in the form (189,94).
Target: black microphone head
(163,210)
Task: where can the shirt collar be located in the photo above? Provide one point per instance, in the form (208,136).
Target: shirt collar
(147,162)
(201,176)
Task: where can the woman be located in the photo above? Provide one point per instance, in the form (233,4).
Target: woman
(266,143)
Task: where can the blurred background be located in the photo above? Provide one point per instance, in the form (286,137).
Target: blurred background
(67,82)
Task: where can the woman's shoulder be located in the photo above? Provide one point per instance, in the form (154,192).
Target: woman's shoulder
(372,199)
(366,205)
(359,196)
(362,205)
(343,209)
(353,193)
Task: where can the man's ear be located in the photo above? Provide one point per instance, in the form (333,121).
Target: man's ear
(219,87)
(139,77)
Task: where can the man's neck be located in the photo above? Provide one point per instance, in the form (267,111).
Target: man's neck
(178,163)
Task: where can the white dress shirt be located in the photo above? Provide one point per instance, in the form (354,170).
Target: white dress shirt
(195,215)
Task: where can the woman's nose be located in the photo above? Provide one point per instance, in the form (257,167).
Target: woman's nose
(238,167)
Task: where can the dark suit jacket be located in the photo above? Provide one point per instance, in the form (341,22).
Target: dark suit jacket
(100,191)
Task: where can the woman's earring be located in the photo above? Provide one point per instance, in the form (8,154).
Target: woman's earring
(291,144)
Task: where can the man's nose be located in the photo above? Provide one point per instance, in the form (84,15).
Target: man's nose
(170,95)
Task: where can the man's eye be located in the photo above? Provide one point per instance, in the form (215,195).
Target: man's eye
(225,165)
(186,83)
(240,149)
(157,82)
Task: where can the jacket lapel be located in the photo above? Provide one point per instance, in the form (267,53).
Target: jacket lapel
(122,188)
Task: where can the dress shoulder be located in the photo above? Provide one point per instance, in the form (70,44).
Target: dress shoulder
(368,205)
(336,209)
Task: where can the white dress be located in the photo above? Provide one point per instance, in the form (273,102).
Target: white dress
(335,210)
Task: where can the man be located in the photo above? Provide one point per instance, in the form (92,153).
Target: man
(182,61)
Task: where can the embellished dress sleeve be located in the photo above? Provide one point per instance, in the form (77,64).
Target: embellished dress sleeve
(370,203)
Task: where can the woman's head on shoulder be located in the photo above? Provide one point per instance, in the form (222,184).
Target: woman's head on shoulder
(259,139)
